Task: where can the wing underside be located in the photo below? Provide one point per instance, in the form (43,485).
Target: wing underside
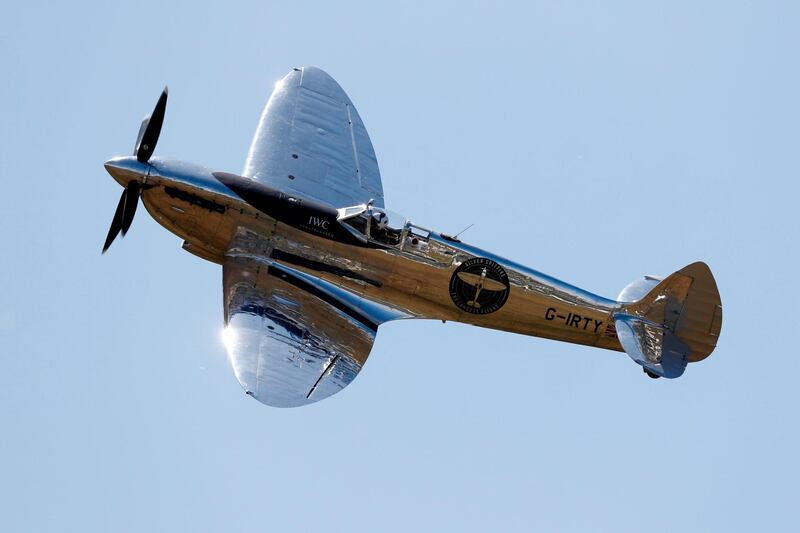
(292,339)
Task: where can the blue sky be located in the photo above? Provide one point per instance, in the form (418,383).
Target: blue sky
(617,140)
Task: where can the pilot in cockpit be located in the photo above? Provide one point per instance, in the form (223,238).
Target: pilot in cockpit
(380,230)
(380,220)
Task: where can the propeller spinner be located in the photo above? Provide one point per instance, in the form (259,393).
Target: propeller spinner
(145,145)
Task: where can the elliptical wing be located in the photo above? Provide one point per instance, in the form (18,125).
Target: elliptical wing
(292,338)
(311,141)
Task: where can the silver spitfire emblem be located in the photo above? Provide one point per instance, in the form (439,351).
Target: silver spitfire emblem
(479,286)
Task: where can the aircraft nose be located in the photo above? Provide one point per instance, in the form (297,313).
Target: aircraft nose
(125,169)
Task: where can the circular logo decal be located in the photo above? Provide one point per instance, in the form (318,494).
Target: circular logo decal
(479,286)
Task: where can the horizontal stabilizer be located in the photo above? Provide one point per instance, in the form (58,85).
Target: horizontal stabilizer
(677,321)
(652,346)
(636,290)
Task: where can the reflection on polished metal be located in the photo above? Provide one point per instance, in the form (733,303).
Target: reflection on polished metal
(313,264)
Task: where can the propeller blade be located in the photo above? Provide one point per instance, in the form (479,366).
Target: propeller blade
(116,222)
(131,201)
(142,128)
(151,129)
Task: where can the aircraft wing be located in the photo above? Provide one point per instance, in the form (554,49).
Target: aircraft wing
(486,284)
(310,141)
(292,338)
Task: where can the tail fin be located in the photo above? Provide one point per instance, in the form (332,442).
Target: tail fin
(678,321)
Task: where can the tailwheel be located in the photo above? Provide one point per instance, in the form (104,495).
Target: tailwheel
(650,374)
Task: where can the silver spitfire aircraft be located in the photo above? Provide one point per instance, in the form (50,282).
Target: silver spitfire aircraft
(312,262)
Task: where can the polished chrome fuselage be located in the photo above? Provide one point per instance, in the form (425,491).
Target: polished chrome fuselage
(410,280)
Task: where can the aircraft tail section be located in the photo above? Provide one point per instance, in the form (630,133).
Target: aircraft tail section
(677,321)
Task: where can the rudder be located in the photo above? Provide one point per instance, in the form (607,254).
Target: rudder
(677,322)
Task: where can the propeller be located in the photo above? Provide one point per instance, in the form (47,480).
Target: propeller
(150,130)
(145,145)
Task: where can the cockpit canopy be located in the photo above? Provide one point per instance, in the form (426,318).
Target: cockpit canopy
(370,223)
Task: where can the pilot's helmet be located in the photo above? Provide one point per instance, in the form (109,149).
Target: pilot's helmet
(381,220)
